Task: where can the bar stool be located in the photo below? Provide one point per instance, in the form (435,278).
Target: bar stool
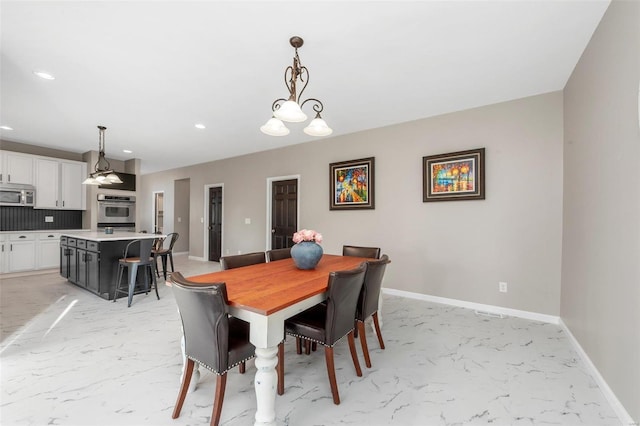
(158,251)
(132,264)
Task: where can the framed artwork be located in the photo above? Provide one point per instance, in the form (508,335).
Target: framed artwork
(453,176)
(352,184)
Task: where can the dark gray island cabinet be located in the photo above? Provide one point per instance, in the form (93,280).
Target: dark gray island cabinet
(89,259)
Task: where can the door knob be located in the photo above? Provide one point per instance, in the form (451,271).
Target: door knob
(273,231)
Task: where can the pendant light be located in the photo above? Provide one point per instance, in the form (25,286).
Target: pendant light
(102,174)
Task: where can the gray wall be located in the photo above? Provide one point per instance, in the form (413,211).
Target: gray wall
(601,216)
(455,249)
(181,214)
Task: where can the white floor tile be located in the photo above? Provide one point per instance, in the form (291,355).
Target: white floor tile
(71,358)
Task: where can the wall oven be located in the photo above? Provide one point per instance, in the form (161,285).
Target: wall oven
(14,194)
(117,211)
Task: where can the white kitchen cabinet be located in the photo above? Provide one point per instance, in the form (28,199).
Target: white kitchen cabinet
(22,252)
(3,253)
(47,183)
(29,251)
(72,191)
(48,250)
(59,184)
(3,167)
(16,168)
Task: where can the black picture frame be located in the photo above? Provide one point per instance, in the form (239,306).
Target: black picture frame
(352,184)
(454,176)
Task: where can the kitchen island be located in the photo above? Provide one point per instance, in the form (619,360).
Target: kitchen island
(89,259)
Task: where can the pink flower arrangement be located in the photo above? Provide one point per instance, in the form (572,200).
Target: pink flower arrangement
(307,235)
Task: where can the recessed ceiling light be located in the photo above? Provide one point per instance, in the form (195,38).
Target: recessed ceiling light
(6,128)
(200,126)
(127,151)
(44,75)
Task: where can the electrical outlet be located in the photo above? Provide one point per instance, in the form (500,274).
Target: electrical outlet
(48,219)
(247,221)
(502,287)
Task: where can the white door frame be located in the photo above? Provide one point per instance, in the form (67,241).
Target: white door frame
(206,220)
(153,210)
(270,180)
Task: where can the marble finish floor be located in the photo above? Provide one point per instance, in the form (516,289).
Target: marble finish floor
(70,358)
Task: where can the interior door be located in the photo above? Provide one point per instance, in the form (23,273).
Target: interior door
(284,212)
(215,223)
(158,212)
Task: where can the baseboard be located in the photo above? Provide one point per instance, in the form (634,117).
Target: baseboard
(197,258)
(617,406)
(491,309)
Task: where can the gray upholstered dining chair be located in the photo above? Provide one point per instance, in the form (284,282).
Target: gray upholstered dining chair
(358,251)
(240,260)
(278,254)
(327,323)
(213,338)
(368,303)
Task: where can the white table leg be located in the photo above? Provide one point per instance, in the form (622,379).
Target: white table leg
(266,332)
(265,384)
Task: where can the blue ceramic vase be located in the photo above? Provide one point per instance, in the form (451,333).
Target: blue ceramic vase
(306,254)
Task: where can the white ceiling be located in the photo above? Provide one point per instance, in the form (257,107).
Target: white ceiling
(150,70)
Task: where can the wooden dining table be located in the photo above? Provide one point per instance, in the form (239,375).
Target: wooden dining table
(265,295)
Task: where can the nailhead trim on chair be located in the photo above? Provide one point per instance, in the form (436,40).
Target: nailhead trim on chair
(216,372)
(318,341)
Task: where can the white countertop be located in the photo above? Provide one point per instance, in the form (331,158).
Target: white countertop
(116,236)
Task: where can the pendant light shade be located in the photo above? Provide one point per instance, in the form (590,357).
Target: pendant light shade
(318,127)
(274,127)
(291,112)
(113,178)
(90,181)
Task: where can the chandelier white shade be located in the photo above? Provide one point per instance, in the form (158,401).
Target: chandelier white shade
(275,127)
(318,127)
(290,110)
(102,174)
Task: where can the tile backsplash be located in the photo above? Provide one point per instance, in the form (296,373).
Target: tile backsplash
(14,218)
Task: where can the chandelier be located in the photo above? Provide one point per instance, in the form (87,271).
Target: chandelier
(102,174)
(290,110)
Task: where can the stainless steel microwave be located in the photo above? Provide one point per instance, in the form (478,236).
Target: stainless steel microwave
(15,194)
